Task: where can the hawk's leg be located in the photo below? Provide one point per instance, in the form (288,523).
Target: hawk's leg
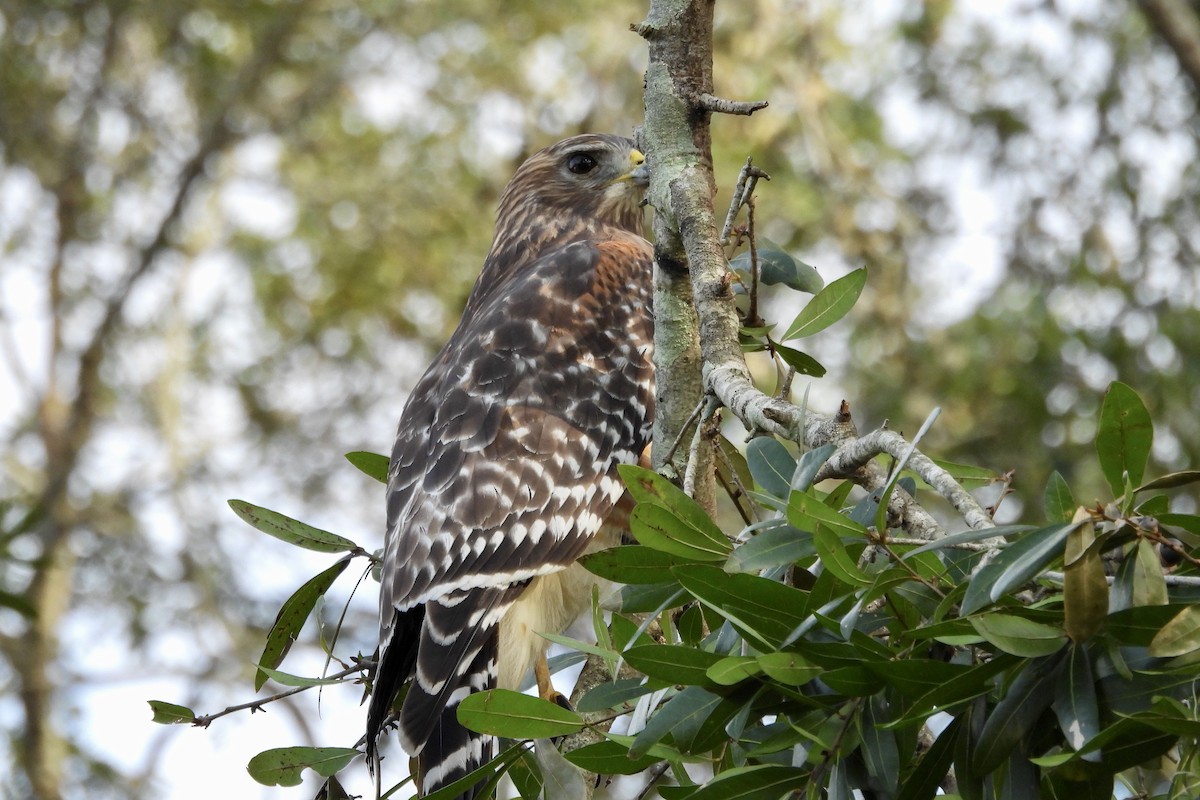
(546,690)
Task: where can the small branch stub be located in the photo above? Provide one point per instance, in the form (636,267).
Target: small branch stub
(719,105)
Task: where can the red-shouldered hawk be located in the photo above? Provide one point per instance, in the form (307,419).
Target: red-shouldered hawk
(504,467)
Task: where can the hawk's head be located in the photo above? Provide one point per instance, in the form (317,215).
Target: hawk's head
(594,179)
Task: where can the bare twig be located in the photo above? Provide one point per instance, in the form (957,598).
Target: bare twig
(719,105)
(205,720)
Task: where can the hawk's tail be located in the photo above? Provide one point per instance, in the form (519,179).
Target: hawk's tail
(457,656)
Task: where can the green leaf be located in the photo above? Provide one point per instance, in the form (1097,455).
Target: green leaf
(924,781)
(1149,582)
(612,694)
(733,669)
(503,712)
(290,530)
(171,714)
(879,743)
(758,782)
(672,663)
(1172,481)
(1124,437)
(771,465)
(1019,636)
(771,547)
(666,530)
(1085,588)
(609,758)
(1016,564)
(1179,636)
(1076,706)
(1014,716)
(1139,625)
(913,677)
(370,464)
(1057,502)
(777,266)
(802,362)
(828,306)
(291,618)
(806,512)
(765,610)
(287,679)
(788,668)
(282,766)
(631,563)
(681,714)
(836,559)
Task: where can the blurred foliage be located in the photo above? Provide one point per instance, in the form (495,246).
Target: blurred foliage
(230,233)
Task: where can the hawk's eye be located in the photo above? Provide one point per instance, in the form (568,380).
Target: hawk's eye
(581,163)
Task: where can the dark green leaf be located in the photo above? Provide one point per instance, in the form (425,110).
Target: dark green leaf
(291,619)
(1016,564)
(963,537)
(924,781)
(609,758)
(631,563)
(879,743)
(645,598)
(913,677)
(502,712)
(290,530)
(1076,707)
(612,694)
(802,362)
(759,782)
(857,681)
(1014,716)
(282,766)
(1124,437)
(777,266)
(828,306)
(672,663)
(763,609)
(371,464)
(171,714)
(771,465)
(1057,502)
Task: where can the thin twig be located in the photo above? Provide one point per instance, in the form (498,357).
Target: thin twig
(687,424)
(257,705)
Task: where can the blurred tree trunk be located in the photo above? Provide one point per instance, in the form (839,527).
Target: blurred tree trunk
(1178,23)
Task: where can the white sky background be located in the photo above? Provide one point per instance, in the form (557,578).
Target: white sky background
(111,700)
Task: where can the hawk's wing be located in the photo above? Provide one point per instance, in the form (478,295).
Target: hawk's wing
(505,462)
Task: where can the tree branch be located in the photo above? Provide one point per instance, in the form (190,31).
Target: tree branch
(1177,22)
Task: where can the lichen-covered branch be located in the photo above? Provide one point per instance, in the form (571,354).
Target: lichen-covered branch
(688,247)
